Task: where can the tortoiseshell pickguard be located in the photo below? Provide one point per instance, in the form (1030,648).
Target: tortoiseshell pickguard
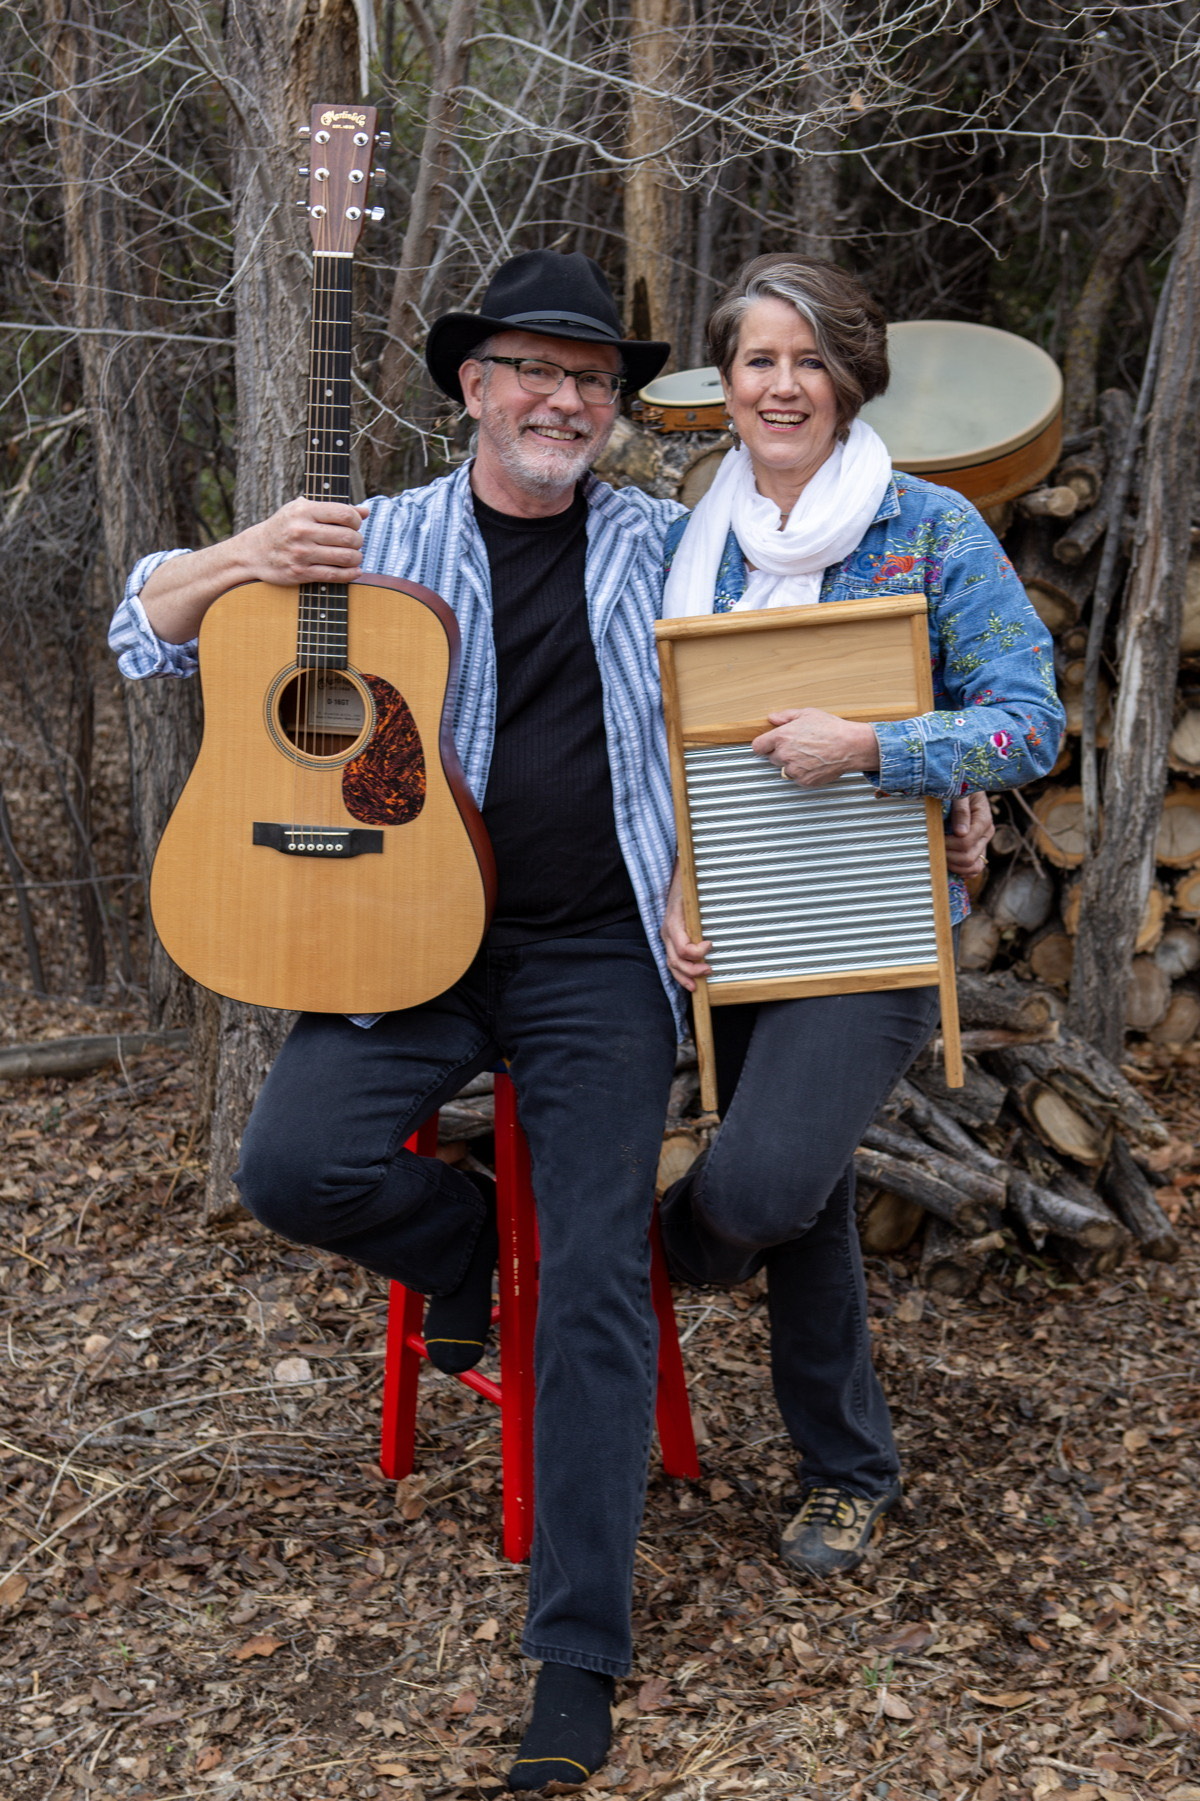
(385,783)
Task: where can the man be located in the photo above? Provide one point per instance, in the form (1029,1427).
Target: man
(555,579)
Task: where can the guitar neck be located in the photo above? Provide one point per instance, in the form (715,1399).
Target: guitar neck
(327,447)
(322,639)
(342,138)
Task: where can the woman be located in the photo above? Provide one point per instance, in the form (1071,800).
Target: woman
(807,509)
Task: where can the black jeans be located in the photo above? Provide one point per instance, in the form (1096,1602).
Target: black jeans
(799,1082)
(591,1037)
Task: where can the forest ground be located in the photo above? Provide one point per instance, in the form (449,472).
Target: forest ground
(213,1591)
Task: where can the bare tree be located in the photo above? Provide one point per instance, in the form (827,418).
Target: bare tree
(1023,166)
(107,219)
(1117,877)
(274,68)
(398,394)
(654,205)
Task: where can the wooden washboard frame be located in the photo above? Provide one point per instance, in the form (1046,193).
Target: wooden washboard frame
(722,674)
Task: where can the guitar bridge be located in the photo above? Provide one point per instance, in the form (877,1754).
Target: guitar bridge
(319,841)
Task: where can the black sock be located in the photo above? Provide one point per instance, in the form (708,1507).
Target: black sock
(569,1733)
(456,1325)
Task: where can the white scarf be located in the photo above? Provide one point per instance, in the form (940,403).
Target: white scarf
(826,523)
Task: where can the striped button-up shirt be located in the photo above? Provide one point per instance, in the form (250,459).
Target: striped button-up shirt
(429,535)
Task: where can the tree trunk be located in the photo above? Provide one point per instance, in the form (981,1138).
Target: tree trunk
(653,204)
(19,880)
(815,178)
(281,61)
(399,390)
(79,785)
(1135,207)
(109,268)
(1117,879)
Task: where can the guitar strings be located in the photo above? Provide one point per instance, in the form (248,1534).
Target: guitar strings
(322,651)
(327,455)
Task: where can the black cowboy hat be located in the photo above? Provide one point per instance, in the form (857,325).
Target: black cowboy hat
(543,291)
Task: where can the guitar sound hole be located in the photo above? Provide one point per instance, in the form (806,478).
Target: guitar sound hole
(321,713)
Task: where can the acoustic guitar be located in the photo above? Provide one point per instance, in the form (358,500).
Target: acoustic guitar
(326,854)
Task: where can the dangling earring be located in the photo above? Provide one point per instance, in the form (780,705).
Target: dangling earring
(731,428)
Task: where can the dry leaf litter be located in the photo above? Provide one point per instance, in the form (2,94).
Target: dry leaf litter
(208,1590)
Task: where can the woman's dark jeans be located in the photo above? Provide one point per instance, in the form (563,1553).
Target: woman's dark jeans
(592,1042)
(799,1083)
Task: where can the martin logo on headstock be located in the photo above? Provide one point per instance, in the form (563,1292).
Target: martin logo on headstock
(342,140)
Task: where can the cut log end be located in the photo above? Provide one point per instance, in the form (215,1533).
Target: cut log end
(1059,832)
(1149,995)
(1177,844)
(1063,1126)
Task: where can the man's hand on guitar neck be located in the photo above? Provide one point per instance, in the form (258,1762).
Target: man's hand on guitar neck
(305,541)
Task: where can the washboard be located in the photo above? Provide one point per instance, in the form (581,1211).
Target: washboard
(803,891)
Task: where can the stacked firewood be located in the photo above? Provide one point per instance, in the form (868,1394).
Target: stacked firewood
(1027,916)
(1048,1148)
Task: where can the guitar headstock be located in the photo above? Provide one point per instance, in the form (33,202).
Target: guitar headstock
(341,142)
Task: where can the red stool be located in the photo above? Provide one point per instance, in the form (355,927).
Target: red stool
(517,1314)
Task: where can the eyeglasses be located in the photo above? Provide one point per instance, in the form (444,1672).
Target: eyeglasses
(596,387)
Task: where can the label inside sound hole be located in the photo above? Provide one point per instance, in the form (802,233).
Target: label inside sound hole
(335,705)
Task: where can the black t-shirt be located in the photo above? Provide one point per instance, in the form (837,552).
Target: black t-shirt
(549,802)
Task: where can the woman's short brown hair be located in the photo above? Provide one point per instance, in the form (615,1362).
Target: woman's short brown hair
(850,327)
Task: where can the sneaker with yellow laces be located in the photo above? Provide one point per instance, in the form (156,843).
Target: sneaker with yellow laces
(832,1531)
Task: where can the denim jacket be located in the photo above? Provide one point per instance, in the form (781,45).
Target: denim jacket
(997,719)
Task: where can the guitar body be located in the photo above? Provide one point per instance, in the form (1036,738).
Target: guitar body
(326,854)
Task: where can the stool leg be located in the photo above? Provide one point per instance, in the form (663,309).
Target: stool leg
(402,1362)
(401,1370)
(517,1221)
(673,1413)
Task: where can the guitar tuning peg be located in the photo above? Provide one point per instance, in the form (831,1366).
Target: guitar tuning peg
(375,213)
(383,139)
(303,131)
(303,169)
(379,175)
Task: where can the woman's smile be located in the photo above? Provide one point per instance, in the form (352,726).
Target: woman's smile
(781,399)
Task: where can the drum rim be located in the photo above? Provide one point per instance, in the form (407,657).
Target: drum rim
(648,398)
(974,456)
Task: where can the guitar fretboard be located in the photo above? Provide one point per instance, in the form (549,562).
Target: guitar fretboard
(322,633)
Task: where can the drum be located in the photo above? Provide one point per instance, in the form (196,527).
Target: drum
(970,407)
(689,400)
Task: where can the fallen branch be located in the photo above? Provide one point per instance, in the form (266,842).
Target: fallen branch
(1132,1198)
(914,1182)
(952,1264)
(1005,1002)
(1084,1076)
(987,1187)
(77,1056)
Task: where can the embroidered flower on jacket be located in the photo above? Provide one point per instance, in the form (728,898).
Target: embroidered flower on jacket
(894,565)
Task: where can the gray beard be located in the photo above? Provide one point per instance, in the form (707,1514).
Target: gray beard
(527,467)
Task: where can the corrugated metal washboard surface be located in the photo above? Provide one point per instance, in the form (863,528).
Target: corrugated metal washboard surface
(796,882)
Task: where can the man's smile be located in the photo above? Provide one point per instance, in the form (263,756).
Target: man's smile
(558,434)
